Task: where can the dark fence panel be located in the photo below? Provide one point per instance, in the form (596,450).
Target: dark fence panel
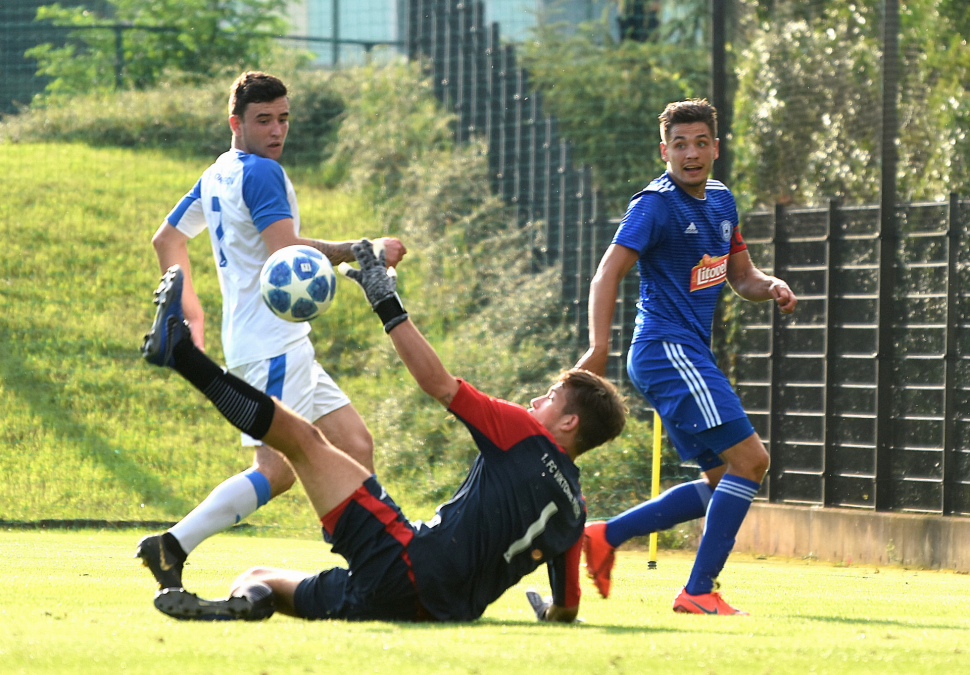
(812,382)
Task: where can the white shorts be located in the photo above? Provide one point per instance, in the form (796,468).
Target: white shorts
(296,379)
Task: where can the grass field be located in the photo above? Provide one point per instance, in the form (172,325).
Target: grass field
(76,602)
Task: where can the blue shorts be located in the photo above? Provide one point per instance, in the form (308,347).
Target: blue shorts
(699,408)
(372,534)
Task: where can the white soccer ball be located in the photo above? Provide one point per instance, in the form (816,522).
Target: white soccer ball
(297,283)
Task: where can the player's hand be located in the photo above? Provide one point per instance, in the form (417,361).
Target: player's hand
(379,283)
(540,605)
(594,360)
(783,296)
(197,331)
(394,250)
(546,610)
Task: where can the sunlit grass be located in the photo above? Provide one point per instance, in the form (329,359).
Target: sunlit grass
(76,602)
(92,431)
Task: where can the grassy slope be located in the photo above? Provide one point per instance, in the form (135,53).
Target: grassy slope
(90,430)
(76,603)
(96,433)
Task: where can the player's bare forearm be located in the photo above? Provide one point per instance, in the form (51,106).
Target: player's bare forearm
(752,284)
(336,251)
(614,265)
(423,363)
(340,251)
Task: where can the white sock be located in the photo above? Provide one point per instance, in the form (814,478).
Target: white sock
(230,502)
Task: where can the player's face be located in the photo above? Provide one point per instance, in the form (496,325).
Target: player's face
(548,409)
(261,129)
(690,153)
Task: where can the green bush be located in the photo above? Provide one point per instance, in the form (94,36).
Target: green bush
(606,97)
(186,120)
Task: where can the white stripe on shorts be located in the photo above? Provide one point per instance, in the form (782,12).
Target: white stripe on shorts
(698,388)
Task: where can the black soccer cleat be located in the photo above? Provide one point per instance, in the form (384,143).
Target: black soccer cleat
(164,564)
(255,604)
(262,599)
(183,605)
(169,326)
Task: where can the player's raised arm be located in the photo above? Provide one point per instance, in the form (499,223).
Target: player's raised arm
(380,287)
(171,248)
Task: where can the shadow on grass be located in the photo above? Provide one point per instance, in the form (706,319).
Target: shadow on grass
(48,403)
(876,622)
(489,624)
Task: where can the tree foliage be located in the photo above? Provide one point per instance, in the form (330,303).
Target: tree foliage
(606,96)
(191,40)
(808,107)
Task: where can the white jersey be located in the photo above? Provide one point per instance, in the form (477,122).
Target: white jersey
(238,197)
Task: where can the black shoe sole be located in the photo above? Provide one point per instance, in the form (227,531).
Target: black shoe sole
(180,604)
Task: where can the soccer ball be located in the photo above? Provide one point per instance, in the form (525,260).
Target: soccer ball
(297,283)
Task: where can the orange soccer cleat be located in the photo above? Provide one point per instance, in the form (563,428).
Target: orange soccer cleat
(703,603)
(600,556)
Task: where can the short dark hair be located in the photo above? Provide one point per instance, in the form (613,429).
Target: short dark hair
(601,410)
(254,87)
(687,112)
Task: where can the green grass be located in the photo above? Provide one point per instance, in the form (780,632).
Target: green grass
(91,430)
(76,602)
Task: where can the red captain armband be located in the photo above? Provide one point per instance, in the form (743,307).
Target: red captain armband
(737,242)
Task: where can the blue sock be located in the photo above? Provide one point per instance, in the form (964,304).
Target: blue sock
(728,507)
(687,501)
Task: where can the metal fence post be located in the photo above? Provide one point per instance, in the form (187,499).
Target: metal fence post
(833,243)
(887,259)
(774,397)
(493,99)
(952,356)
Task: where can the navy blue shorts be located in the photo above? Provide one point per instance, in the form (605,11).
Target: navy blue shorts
(371,533)
(700,410)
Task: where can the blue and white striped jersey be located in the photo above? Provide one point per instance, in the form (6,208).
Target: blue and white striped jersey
(684,244)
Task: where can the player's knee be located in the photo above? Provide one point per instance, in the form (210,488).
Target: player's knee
(282,482)
(252,575)
(271,464)
(361,446)
(760,460)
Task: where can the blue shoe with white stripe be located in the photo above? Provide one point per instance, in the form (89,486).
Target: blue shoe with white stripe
(169,326)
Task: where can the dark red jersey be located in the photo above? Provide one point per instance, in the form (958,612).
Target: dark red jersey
(520,506)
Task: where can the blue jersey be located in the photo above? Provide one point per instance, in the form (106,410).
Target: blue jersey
(684,245)
(519,507)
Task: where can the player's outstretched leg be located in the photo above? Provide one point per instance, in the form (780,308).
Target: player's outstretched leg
(679,504)
(255,602)
(600,556)
(169,343)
